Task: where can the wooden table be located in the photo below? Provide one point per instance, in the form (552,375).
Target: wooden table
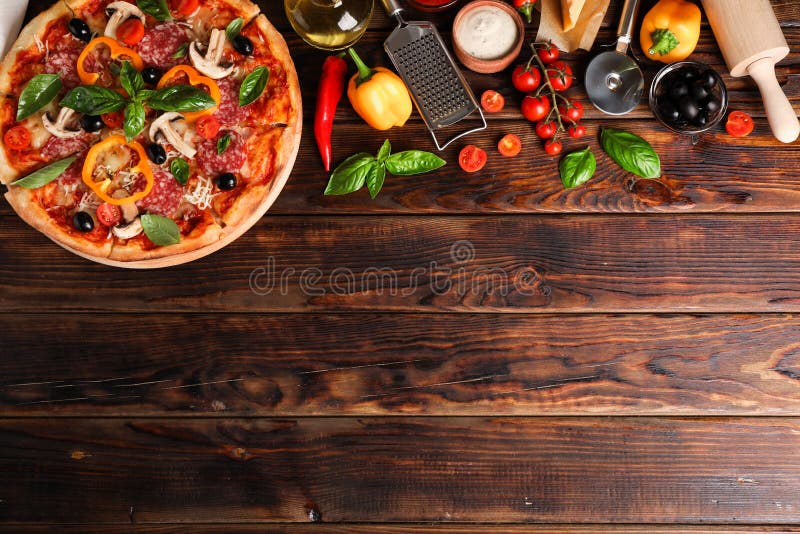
(466,353)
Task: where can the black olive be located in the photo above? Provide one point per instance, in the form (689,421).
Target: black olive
(80,29)
(92,123)
(678,90)
(712,106)
(83,221)
(668,111)
(701,119)
(688,107)
(689,73)
(151,75)
(156,153)
(226,181)
(698,92)
(708,79)
(243,45)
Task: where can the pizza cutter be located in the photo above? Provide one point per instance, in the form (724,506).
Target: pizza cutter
(614,82)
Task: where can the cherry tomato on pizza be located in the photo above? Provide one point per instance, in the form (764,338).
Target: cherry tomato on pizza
(492,101)
(472,158)
(739,124)
(510,145)
(526,79)
(560,75)
(535,108)
(109,214)
(17,138)
(113,120)
(208,127)
(131,31)
(184,7)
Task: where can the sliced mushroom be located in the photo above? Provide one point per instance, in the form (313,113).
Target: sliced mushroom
(65,117)
(127,231)
(210,63)
(119,12)
(163,125)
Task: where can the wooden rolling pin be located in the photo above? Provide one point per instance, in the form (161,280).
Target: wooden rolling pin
(752,42)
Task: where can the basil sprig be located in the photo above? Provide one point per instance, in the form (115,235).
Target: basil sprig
(134,120)
(45,175)
(577,168)
(223,143)
(162,231)
(180,170)
(39,92)
(631,152)
(155,8)
(363,168)
(93,100)
(233,28)
(253,85)
(131,79)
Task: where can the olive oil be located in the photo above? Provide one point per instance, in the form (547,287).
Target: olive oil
(329,24)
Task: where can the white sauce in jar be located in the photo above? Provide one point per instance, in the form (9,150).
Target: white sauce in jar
(487,33)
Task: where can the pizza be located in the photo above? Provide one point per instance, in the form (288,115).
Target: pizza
(147,132)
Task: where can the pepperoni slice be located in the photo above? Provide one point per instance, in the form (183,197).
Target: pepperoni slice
(72,174)
(57,148)
(65,63)
(229,112)
(165,197)
(231,160)
(160,43)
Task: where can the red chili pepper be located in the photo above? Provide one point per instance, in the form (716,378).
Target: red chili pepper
(330,91)
(525,7)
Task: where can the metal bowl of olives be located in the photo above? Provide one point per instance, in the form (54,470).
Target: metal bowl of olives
(688,97)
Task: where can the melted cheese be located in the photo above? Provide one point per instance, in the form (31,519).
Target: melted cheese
(200,195)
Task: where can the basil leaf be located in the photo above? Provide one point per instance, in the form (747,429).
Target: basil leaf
(385,150)
(144,94)
(45,175)
(180,98)
(39,92)
(351,174)
(160,230)
(253,85)
(130,79)
(134,120)
(375,179)
(93,100)
(413,162)
(155,8)
(234,27)
(631,152)
(223,142)
(180,170)
(577,168)
(181,51)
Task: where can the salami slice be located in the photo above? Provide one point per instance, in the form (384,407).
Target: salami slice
(165,197)
(160,43)
(57,148)
(229,112)
(65,63)
(72,174)
(231,160)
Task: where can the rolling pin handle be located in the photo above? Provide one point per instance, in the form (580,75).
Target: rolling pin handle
(780,114)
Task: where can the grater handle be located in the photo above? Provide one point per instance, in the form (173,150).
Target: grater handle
(459,136)
(392,7)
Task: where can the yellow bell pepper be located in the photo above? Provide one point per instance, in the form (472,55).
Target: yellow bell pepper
(195,79)
(670,30)
(378,95)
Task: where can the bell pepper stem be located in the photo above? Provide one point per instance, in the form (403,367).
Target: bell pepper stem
(364,73)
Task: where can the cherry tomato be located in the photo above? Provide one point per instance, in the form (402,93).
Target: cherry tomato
(17,138)
(526,80)
(472,158)
(109,214)
(545,130)
(131,31)
(535,108)
(510,145)
(492,101)
(553,147)
(739,124)
(113,120)
(577,131)
(547,52)
(560,75)
(571,112)
(207,127)
(184,7)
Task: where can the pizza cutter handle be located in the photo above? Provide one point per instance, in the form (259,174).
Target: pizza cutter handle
(780,114)
(626,23)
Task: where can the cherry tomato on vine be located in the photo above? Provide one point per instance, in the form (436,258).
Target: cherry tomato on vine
(492,101)
(739,124)
(510,145)
(577,131)
(547,52)
(560,75)
(525,79)
(546,130)
(553,147)
(17,138)
(571,112)
(472,158)
(535,108)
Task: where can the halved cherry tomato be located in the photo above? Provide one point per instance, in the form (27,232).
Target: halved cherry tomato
(535,108)
(560,75)
(526,80)
(184,7)
(472,158)
(113,120)
(547,52)
(207,127)
(571,112)
(739,124)
(17,138)
(492,101)
(553,147)
(545,130)
(109,214)
(131,31)
(577,131)
(510,145)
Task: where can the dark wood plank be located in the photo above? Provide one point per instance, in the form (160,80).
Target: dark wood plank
(371,528)
(585,470)
(387,364)
(709,263)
